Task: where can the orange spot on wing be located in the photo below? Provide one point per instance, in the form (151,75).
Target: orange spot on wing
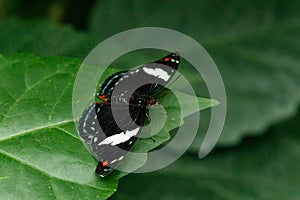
(103,97)
(105,163)
(167,59)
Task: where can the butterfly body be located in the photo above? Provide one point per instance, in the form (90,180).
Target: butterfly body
(111,127)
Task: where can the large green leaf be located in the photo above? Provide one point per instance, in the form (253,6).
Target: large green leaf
(41,153)
(255,44)
(265,167)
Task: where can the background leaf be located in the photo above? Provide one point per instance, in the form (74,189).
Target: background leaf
(252,42)
(44,38)
(266,167)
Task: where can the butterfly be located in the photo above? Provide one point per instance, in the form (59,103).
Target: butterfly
(112,126)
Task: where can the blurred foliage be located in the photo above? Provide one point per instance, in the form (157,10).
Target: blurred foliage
(265,167)
(59,11)
(256,46)
(44,38)
(249,41)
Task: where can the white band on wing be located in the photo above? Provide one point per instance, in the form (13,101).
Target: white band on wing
(120,138)
(157,72)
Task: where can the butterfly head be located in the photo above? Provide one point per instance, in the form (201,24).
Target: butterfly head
(151,101)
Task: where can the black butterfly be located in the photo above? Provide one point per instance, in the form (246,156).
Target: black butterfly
(111,127)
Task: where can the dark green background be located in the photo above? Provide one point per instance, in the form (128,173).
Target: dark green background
(256,46)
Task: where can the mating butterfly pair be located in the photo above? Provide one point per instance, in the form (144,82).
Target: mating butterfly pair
(111,127)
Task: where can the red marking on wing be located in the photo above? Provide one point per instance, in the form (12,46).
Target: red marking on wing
(103,97)
(167,59)
(105,163)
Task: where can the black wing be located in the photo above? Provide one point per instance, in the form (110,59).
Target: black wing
(108,86)
(151,79)
(161,72)
(108,142)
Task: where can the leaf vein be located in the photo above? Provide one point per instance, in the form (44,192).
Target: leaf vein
(11,156)
(25,132)
(25,92)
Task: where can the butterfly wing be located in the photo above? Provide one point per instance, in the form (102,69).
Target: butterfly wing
(88,125)
(118,142)
(161,72)
(108,142)
(108,86)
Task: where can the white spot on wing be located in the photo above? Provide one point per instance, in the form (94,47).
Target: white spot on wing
(115,160)
(157,72)
(133,132)
(120,138)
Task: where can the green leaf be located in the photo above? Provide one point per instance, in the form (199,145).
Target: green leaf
(44,38)
(41,152)
(265,167)
(254,44)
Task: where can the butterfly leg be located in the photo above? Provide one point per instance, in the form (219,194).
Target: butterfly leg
(149,119)
(162,110)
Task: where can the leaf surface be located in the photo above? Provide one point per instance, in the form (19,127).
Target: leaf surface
(42,156)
